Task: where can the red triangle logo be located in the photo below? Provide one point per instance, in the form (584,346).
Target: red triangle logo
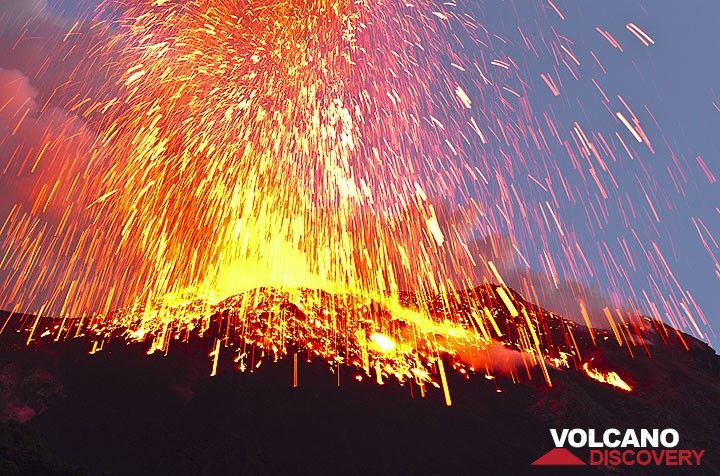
(558,457)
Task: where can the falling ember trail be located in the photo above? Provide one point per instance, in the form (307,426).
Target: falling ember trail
(443,379)
(215,354)
(295,370)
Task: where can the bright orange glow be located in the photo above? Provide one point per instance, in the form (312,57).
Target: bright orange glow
(610,378)
(383,343)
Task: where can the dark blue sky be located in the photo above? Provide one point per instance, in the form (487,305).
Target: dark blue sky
(678,79)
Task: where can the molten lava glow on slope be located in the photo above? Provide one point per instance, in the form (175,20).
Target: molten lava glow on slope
(610,378)
(240,146)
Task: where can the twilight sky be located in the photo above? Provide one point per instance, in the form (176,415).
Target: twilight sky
(674,85)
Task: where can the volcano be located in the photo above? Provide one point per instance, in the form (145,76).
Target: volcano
(313,408)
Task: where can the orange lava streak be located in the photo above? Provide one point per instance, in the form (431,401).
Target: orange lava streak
(610,378)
